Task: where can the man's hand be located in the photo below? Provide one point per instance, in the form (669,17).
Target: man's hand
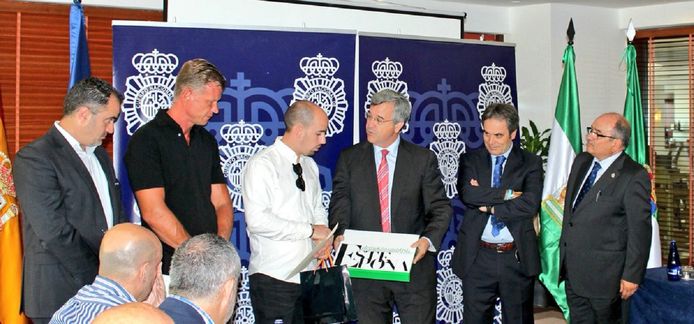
(474,183)
(158,293)
(626,289)
(422,246)
(517,194)
(324,253)
(320,232)
(338,240)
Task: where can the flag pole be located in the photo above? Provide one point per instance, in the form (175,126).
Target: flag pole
(565,144)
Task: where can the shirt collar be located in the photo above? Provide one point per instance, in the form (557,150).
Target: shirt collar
(104,282)
(505,154)
(206,317)
(392,148)
(164,119)
(607,162)
(285,151)
(72,141)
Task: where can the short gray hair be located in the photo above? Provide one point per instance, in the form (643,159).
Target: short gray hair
(622,130)
(402,105)
(201,265)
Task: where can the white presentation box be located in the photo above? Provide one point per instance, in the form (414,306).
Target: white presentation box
(377,255)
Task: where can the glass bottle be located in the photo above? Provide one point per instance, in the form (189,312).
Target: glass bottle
(674,268)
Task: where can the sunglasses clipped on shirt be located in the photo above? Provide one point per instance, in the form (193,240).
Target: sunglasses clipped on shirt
(300,180)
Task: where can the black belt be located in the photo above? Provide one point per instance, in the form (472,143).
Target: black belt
(498,247)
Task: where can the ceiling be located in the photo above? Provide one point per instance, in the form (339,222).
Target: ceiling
(422,4)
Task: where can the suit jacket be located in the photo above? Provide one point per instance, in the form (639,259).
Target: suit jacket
(181,312)
(418,200)
(63,221)
(608,236)
(522,172)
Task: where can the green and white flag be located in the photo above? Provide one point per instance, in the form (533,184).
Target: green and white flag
(636,148)
(564,145)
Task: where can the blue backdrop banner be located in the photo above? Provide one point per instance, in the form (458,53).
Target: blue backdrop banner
(449,83)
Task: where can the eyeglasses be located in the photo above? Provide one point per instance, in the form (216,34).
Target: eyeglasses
(590,130)
(378,119)
(299,172)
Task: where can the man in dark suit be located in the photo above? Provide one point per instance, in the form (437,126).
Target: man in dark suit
(69,197)
(496,254)
(606,231)
(204,277)
(390,185)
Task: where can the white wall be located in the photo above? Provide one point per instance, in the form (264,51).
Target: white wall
(530,31)
(261,13)
(663,15)
(539,32)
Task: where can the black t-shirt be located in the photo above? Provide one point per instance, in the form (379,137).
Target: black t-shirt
(159,157)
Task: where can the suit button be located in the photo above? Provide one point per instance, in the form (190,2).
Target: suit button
(571,224)
(564,244)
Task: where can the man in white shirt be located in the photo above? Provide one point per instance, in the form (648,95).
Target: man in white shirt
(284,213)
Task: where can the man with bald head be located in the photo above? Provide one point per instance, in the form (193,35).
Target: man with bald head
(129,271)
(606,231)
(284,212)
(133,313)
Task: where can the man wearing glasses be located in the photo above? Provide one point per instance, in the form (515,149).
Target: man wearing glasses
(387,184)
(284,213)
(606,231)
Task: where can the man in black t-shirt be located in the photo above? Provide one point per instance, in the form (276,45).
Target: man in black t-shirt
(174,167)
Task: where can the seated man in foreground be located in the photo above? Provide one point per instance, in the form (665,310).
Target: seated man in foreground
(129,271)
(204,278)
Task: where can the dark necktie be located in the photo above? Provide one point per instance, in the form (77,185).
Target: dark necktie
(497,225)
(588,184)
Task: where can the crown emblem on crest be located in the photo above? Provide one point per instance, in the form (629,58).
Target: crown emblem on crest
(241,133)
(155,62)
(319,66)
(447,130)
(386,69)
(494,73)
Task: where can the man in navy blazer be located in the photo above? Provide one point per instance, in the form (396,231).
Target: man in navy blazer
(606,232)
(388,184)
(204,277)
(496,253)
(69,196)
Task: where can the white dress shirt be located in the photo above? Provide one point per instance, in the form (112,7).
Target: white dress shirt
(278,214)
(604,165)
(95,170)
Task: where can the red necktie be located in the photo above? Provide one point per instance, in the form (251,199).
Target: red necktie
(382,177)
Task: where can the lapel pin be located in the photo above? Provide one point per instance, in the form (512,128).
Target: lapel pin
(612,175)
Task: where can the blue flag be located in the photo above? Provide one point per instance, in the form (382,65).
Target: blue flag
(79,53)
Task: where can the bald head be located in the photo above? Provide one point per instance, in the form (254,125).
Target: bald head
(126,247)
(301,112)
(133,313)
(307,126)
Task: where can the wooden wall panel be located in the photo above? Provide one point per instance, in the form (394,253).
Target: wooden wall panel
(35,63)
(8,74)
